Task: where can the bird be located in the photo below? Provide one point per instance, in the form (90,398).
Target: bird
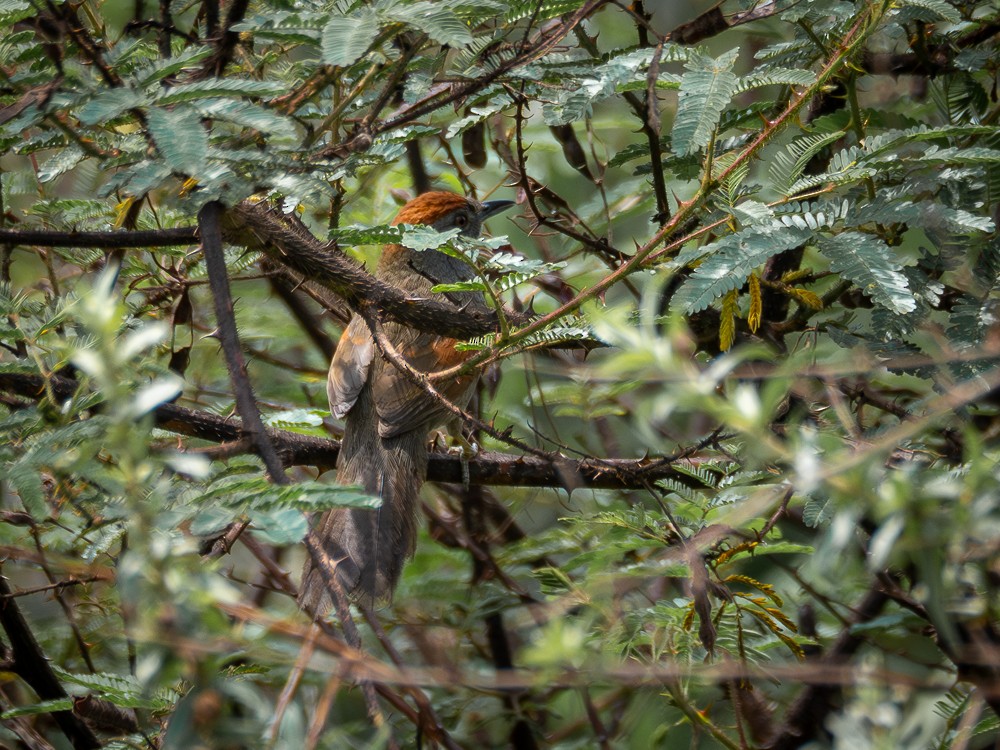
(388,417)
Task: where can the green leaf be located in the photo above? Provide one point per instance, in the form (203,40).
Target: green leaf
(281,526)
(635,151)
(938,10)
(312,496)
(787,165)
(214,87)
(27,482)
(550,337)
(868,262)
(706,90)
(884,623)
(208,521)
(44,707)
(109,104)
(813,216)
(256,494)
(783,548)
(346,38)
(731,260)
(846,167)
(427,238)
(104,538)
(14,6)
(122,690)
(39,142)
(776,77)
(929,214)
(506,262)
(382,234)
(540,10)
(894,138)
(188,58)
(180,138)
(975,155)
(248,115)
(292,29)
(293,418)
(750,212)
(817,511)
(139,179)
(63,161)
(478,115)
(591,86)
(440,24)
(574,104)
(301,421)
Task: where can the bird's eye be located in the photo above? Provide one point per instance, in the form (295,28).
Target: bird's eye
(461,220)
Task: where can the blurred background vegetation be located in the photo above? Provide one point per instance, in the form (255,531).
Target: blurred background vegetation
(742,489)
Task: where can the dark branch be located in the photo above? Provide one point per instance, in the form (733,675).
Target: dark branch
(109,240)
(225,44)
(973,646)
(261,227)
(488,468)
(31,664)
(215,261)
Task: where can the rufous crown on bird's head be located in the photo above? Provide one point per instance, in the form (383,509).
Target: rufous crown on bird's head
(443,210)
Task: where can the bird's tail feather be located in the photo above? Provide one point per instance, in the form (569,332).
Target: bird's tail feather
(365,549)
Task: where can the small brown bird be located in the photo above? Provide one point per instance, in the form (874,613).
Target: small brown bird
(387,416)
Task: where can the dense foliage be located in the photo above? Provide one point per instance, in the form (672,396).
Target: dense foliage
(739,415)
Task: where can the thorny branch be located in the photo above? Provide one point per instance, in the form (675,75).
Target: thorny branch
(290,243)
(487,468)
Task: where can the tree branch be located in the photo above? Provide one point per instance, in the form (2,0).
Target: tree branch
(262,227)
(225,43)
(31,664)
(109,240)
(488,468)
(209,220)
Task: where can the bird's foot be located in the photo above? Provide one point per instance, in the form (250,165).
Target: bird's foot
(454,443)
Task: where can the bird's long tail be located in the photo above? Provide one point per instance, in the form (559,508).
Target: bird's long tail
(365,549)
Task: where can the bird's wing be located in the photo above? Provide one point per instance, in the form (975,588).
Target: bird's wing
(349,367)
(402,406)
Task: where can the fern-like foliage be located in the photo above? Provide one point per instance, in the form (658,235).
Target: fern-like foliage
(540,11)
(727,263)
(789,163)
(868,262)
(706,90)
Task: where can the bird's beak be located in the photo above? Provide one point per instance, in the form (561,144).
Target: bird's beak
(491,208)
